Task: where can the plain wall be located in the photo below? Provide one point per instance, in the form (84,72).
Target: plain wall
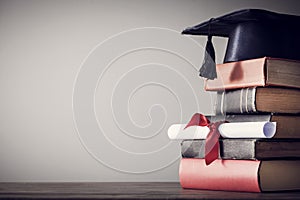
(89,88)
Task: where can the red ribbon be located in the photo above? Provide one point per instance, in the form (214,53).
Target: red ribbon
(212,139)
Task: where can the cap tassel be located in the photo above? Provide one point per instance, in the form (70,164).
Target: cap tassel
(208,68)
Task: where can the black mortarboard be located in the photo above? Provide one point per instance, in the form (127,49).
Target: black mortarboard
(252,33)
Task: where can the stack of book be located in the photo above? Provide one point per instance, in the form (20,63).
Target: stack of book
(260,146)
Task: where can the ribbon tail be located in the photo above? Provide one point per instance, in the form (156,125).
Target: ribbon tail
(213,154)
(212,145)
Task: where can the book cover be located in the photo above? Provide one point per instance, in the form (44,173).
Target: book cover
(240,175)
(256,72)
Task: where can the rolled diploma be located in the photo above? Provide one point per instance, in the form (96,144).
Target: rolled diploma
(248,130)
(177,132)
(227,130)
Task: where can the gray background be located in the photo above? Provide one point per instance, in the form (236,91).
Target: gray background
(113,127)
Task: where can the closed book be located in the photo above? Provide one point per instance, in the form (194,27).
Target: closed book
(245,149)
(256,72)
(240,175)
(258,99)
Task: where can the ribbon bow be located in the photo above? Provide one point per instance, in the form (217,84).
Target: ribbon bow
(212,145)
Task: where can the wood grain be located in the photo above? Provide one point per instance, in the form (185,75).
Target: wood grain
(124,190)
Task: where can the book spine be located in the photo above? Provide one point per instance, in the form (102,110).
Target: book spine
(193,148)
(240,118)
(229,175)
(240,74)
(240,149)
(229,149)
(236,101)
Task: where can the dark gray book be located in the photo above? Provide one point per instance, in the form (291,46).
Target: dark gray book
(245,149)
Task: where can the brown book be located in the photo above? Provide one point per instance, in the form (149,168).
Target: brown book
(245,149)
(256,72)
(260,99)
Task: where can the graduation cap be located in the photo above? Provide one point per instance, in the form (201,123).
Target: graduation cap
(252,33)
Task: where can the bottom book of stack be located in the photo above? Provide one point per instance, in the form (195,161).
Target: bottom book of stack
(240,175)
(257,153)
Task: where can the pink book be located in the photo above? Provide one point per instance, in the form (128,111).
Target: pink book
(240,175)
(256,72)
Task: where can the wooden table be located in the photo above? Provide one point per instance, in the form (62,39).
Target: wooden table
(151,190)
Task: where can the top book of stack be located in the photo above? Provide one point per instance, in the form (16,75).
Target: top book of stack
(264,71)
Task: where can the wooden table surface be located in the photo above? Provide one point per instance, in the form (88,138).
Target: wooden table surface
(150,190)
